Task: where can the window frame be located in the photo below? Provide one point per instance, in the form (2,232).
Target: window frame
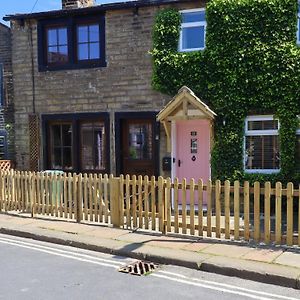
(51,145)
(46,46)
(75,119)
(76,42)
(266,132)
(189,25)
(80,144)
(71,24)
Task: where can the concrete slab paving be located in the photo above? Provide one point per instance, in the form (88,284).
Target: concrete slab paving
(169,242)
(108,233)
(289,259)
(65,227)
(263,255)
(227,250)
(138,237)
(197,246)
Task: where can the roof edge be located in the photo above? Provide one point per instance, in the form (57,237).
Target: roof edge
(94,9)
(4,25)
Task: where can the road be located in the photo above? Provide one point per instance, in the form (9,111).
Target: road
(38,270)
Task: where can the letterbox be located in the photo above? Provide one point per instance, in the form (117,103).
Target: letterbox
(166,163)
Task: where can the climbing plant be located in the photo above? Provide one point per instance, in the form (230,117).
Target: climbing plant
(251,65)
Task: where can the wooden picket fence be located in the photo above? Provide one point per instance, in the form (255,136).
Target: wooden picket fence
(238,211)
(71,196)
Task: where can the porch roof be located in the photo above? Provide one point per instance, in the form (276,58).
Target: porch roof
(185,106)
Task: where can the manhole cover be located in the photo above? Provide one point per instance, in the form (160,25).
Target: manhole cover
(139,268)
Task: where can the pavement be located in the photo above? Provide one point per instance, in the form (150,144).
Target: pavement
(267,264)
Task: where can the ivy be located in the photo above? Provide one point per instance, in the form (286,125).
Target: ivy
(251,65)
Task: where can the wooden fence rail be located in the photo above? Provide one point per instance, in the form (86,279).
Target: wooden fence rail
(239,211)
(71,196)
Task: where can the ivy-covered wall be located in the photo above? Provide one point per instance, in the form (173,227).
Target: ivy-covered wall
(251,65)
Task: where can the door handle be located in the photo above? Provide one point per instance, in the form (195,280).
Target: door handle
(179,162)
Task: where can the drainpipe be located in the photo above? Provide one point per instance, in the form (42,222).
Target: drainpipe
(32,67)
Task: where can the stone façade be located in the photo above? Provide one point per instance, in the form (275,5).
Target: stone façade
(7,109)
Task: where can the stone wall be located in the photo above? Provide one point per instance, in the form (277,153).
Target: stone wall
(6,111)
(123,86)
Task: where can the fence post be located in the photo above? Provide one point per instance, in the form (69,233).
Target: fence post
(290,227)
(32,194)
(79,199)
(161,205)
(115,201)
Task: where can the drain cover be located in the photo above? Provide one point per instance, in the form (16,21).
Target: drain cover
(139,268)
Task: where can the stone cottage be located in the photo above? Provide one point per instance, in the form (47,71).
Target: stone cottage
(82,84)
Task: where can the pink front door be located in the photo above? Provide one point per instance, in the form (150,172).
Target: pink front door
(192,156)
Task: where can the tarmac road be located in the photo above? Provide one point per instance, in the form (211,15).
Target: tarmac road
(39,270)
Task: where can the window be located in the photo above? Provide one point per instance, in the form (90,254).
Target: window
(192,33)
(57,45)
(88,42)
(77,142)
(261,144)
(71,43)
(140,141)
(61,142)
(92,146)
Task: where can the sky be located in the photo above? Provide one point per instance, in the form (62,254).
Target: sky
(8,7)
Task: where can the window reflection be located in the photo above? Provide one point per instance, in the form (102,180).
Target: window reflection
(140,141)
(57,45)
(92,146)
(193,27)
(61,147)
(88,42)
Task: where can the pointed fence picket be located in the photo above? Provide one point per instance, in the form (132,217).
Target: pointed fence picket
(223,210)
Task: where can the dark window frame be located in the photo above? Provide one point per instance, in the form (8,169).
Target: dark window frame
(46,45)
(75,119)
(71,24)
(51,144)
(93,121)
(86,22)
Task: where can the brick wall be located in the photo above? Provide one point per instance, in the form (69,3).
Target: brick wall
(6,111)
(123,86)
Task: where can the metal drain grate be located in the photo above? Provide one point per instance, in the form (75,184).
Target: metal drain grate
(139,268)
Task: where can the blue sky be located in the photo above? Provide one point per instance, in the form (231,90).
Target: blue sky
(8,7)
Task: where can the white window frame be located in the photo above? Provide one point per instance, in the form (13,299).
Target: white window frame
(248,132)
(189,25)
